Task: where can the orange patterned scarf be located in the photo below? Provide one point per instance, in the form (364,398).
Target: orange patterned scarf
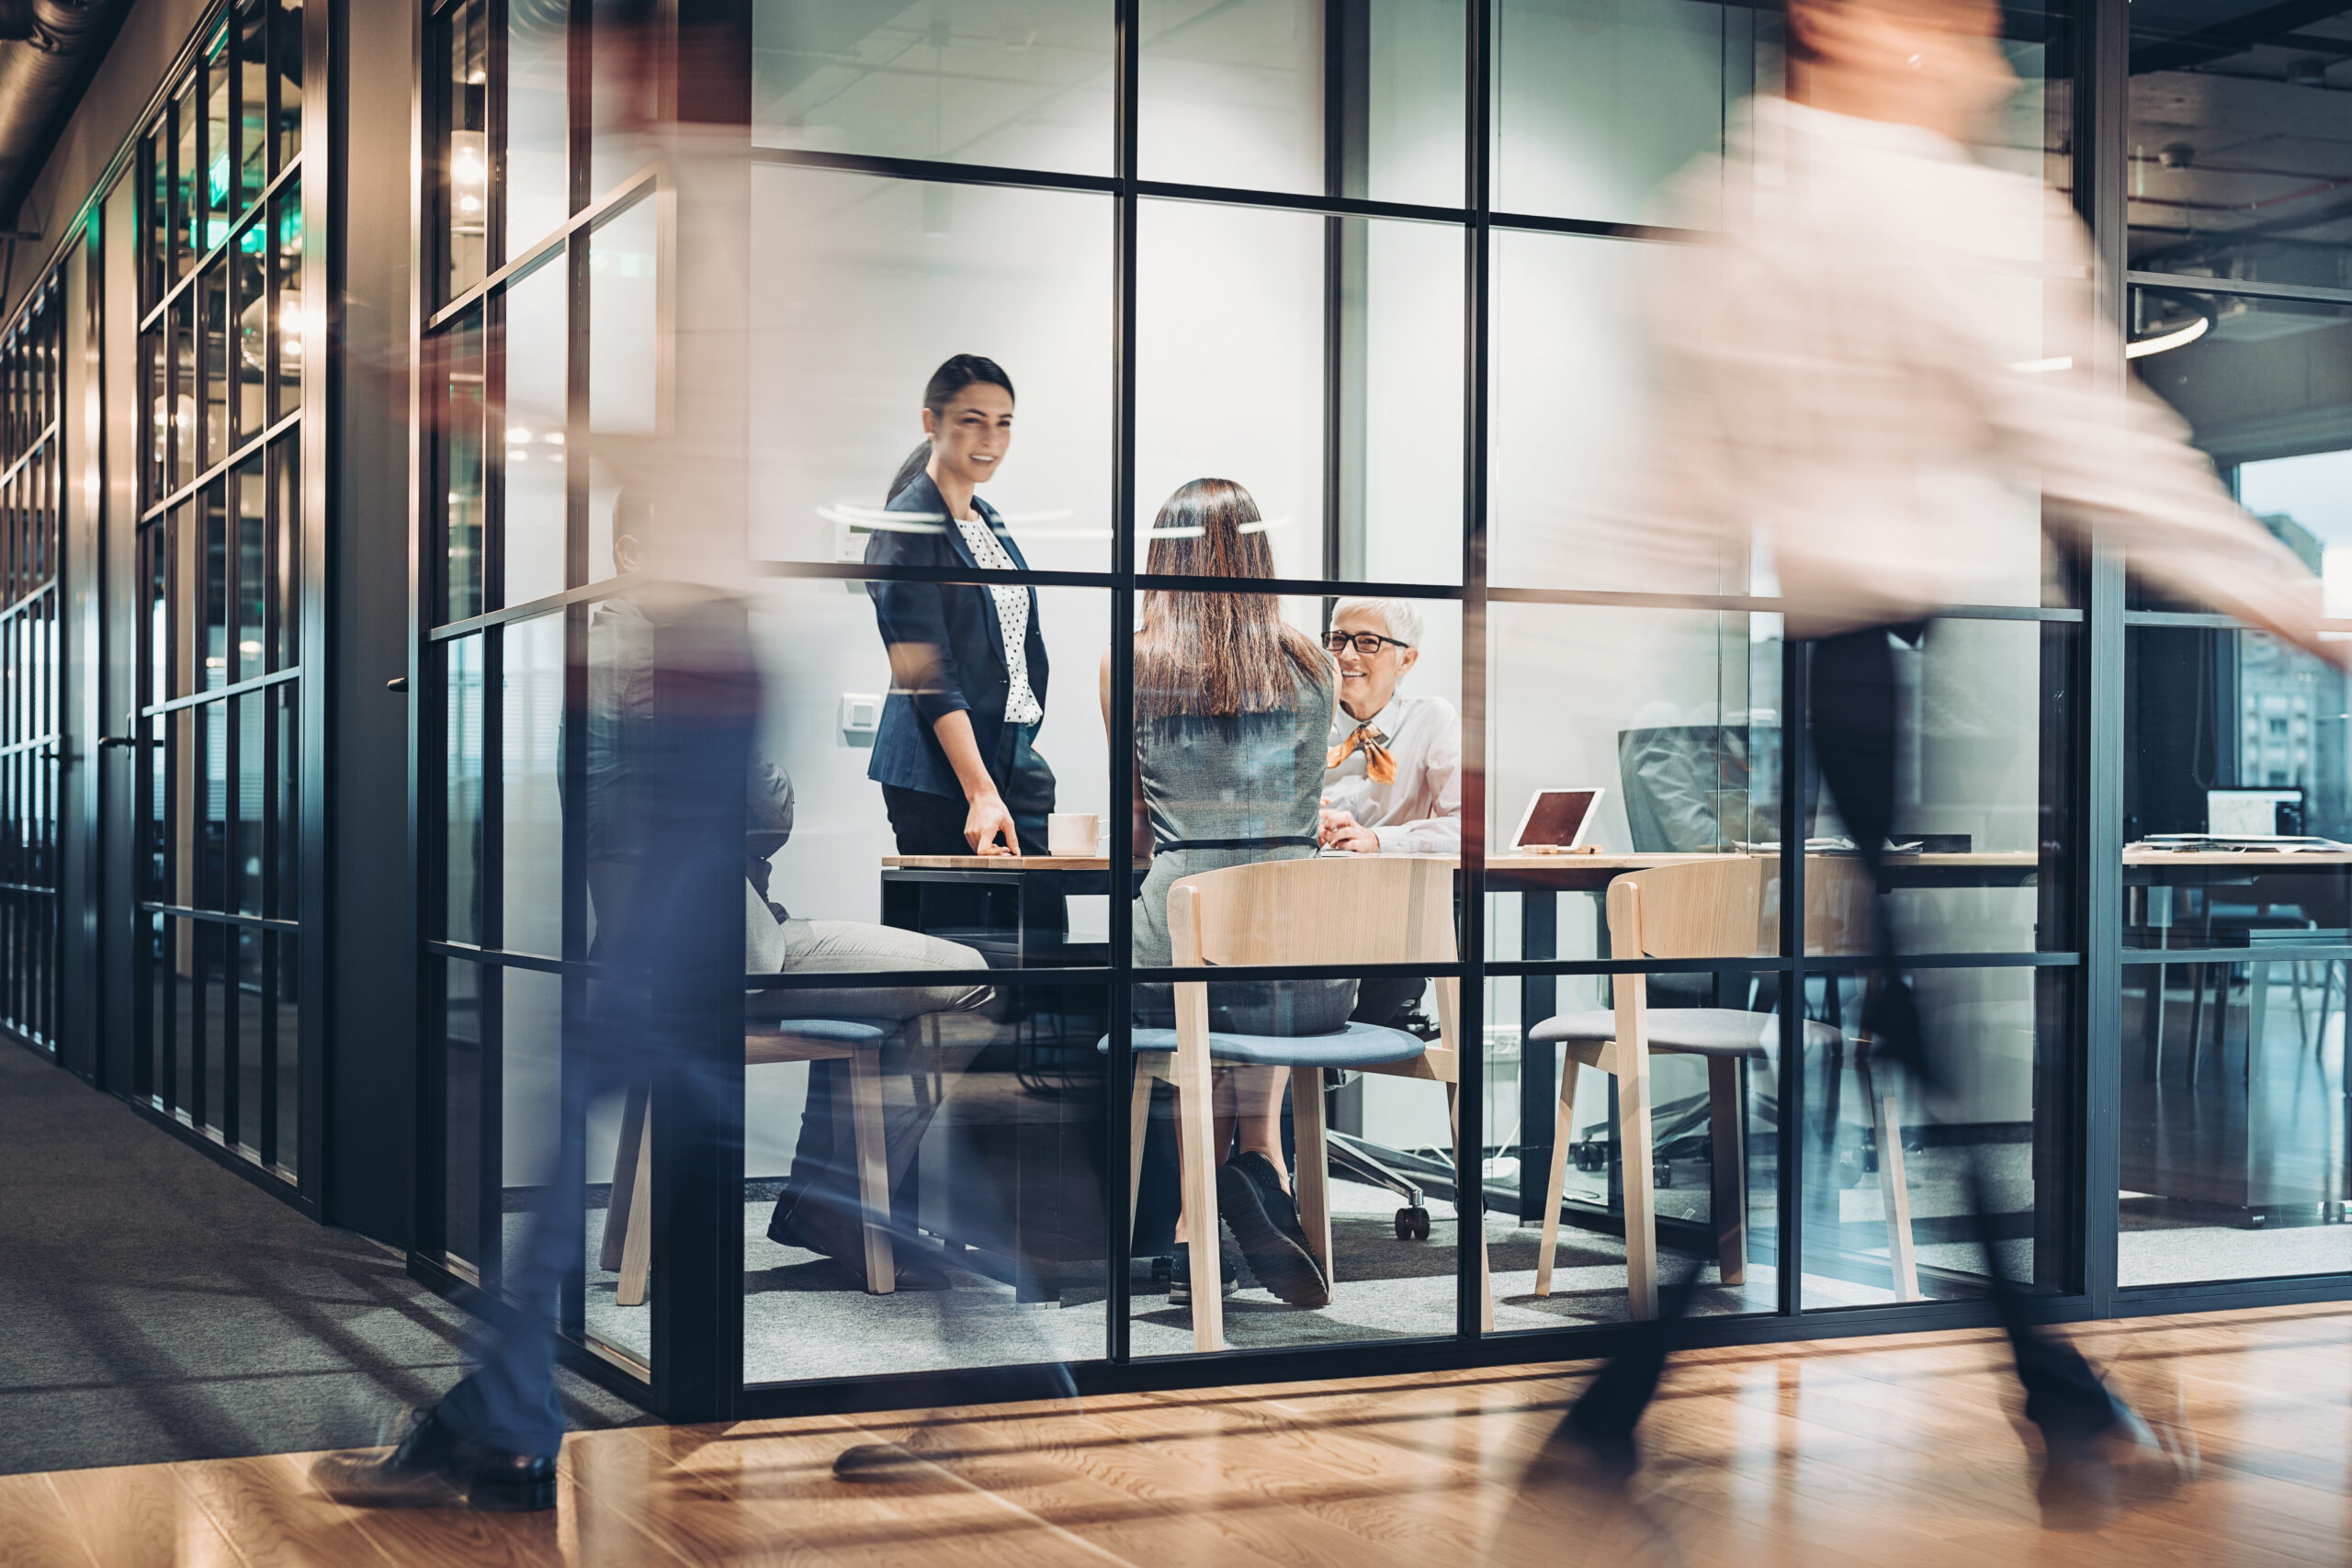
(1379,763)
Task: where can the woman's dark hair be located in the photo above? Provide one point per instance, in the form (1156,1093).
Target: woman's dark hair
(946,381)
(1217,653)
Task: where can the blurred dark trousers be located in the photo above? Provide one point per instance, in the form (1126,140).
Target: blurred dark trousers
(926,824)
(1856,725)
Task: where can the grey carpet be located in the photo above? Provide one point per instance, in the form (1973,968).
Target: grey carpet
(160,1308)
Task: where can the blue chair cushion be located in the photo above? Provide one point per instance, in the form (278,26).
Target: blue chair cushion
(1357,1045)
(831,1030)
(1706,1031)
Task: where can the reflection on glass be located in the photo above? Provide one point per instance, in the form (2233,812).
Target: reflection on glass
(534,534)
(252,797)
(623,296)
(249,24)
(249,357)
(530,1079)
(213,342)
(462,986)
(460,447)
(285,620)
(253,578)
(156,219)
(285,51)
(531,842)
(538,178)
(217,608)
(1023,84)
(285,898)
(187,196)
(1233,94)
(220,153)
(285,271)
(462,792)
(185,327)
(463,44)
(862,299)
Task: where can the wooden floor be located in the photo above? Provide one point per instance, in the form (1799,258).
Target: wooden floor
(1895,1452)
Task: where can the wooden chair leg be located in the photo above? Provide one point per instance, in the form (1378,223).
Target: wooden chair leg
(1139,1123)
(1312,1178)
(618,1206)
(1894,1189)
(637,1245)
(872,1154)
(1641,1192)
(1728,1200)
(1473,1215)
(1196,1111)
(1564,1123)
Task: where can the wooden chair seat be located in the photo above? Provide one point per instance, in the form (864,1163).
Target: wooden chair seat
(628,1246)
(1368,909)
(1708,909)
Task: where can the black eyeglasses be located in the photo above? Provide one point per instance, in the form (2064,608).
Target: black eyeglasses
(1367,643)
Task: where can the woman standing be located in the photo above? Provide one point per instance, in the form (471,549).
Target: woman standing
(1233,712)
(955,758)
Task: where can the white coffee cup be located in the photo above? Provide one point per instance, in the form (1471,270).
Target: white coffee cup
(1073,833)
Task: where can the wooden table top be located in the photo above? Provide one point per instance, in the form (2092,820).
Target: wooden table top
(1989,859)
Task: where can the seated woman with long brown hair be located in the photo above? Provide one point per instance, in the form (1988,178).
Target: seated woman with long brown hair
(1233,715)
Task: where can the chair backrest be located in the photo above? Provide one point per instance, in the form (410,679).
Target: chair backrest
(1695,909)
(1353,909)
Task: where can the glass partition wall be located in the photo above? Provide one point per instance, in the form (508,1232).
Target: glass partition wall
(1360,272)
(222,711)
(32,476)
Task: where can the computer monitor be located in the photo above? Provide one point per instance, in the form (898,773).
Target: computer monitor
(2253,813)
(1556,819)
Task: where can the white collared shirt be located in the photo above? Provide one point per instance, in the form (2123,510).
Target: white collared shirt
(1420,811)
(1883,358)
(1021,704)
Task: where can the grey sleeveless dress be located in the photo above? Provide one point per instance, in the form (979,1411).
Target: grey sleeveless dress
(1231,791)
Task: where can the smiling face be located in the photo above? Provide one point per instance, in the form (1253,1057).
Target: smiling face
(1366,685)
(970,436)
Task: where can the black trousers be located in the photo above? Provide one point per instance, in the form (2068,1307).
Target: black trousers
(1855,721)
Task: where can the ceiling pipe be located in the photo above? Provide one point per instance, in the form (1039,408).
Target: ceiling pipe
(48,49)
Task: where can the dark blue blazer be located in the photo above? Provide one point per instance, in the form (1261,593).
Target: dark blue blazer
(946,648)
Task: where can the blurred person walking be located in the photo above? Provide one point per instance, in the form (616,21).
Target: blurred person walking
(1837,392)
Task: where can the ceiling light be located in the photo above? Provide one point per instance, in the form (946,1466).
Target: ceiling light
(2165,341)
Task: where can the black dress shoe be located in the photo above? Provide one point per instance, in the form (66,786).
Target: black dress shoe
(843,1241)
(432,1467)
(1180,1276)
(1264,1220)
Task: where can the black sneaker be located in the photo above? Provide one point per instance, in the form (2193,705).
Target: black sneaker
(1264,1219)
(1180,1277)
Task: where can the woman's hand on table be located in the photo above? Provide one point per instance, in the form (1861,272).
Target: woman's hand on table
(987,820)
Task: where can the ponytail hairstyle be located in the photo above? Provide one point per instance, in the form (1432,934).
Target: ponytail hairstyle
(1219,654)
(946,381)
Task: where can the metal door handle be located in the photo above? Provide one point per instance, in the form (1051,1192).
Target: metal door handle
(118,740)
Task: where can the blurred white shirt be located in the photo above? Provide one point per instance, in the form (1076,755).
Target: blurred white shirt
(1419,812)
(1853,389)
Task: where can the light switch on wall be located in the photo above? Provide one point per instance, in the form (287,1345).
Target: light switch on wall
(861,716)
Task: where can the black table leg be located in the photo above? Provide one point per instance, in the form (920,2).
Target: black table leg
(1539,920)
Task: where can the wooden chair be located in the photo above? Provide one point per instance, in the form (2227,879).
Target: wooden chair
(1375,910)
(628,1232)
(1701,909)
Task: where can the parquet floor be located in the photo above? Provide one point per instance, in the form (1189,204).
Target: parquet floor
(1895,1451)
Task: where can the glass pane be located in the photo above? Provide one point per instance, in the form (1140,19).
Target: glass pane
(864,298)
(184,329)
(462,1075)
(212,750)
(252,797)
(251,495)
(1233,94)
(990,1104)
(157,217)
(220,150)
(158,373)
(187,177)
(2238,141)
(538,176)
(1891,1166)
(535,534)
(282,573)
(249,360)
(1397,508)
(1981,828)
(530,1079)
(285,51)
(1020,83)
(1219,286)
(285,1041)
(530,734)
(292,325)
(217,606)
(624,361)
(462,786)
(464,55)
(249,25)
(214,345)
(179,618)
(460,447)
(286,899)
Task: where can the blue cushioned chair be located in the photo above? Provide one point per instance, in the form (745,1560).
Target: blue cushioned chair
(1373,909)
(628,1235)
